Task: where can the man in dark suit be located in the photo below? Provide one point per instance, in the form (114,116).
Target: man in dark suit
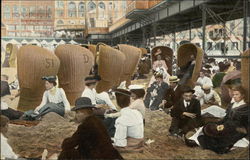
(155,93)
(185,114)
(173,94)
(91,140)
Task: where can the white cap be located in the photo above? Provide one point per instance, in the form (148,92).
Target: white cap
(135,86)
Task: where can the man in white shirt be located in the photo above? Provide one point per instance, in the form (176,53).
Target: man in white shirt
(129,126)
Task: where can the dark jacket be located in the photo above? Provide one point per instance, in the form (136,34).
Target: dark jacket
(90,141)
(172,96)
(5,89)
(179,108)
(160,94)
(237,117)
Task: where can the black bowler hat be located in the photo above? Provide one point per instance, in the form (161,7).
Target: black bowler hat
(187,89)
(49,78)
(81,103)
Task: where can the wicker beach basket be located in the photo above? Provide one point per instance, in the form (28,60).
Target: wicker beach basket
(33,63)
(184,56)
(166,54)
(76,63)
(110,67)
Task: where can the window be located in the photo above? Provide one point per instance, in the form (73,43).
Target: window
(59,13)
(91,6)
(101,5)
(49,12)
(6,12)
(81,9)
(11,27)
(24,12)
(41,12)
(12,34)
(60,22)
(209,46)
(59,4)
(15,13)
(110,5)
(72,9)
(32,12)
(234,46)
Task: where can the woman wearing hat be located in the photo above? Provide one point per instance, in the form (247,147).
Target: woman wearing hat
(137,95)
(129,126)
(91,140)
(220,137)
(54,100)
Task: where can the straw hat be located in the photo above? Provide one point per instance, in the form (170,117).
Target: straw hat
(206,86)
(174,79)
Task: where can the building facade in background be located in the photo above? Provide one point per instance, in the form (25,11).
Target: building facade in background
(28,18)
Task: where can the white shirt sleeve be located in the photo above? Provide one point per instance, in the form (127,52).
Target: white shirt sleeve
(65,100)
(105,97)
(44,101)
(120,137)
(6,150)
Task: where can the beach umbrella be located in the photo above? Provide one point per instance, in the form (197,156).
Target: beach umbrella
(24,42)
(72,42)
(13,41)
(62,42)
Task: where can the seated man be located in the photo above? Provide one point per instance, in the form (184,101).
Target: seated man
(209,96)
(91,140)
(185,113)
(173,94)
(155,93)
(129,131)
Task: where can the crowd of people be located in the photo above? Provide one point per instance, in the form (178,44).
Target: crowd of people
(104,133)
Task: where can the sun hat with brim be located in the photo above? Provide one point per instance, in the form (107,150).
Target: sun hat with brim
(135,86)
(123,92)
(90,79)
(82,103)
(49,78)
(174,79)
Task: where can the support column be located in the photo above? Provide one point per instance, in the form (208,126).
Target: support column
(245,21)
(204,21)
(190,31)
(154,33)
(144,37)
(224,38)
(174,35)
(120,39)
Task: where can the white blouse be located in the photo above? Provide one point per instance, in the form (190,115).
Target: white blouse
(55,95)
(6,150)
(129,124)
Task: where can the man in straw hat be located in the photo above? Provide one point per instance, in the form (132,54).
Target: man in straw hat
(173,94)
(91,140)
(185,113)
